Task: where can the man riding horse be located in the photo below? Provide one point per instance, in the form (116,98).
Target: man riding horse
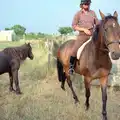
(83,22)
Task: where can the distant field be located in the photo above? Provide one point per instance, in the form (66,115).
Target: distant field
(42,97)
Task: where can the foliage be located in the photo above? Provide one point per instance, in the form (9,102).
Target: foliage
(18,29)
(32,35)
(21,32)
(65,30)
(7,28)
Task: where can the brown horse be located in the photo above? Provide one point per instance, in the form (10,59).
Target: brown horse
(94,62)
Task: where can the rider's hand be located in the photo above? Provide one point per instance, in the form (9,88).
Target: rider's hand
(87,31)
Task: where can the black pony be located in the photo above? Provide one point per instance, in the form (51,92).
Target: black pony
(10,59)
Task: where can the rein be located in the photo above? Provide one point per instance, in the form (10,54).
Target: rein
(107,43)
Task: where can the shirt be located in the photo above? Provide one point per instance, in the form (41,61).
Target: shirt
(85,20)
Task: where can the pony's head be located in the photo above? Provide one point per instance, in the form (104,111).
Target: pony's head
(111,34)
(30,54)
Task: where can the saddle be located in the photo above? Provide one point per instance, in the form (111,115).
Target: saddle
(82,47)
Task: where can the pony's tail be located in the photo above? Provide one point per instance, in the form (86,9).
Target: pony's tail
(61,74)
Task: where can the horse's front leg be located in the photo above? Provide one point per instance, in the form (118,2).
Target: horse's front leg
(11,82)
(103,82)
(71,87)
(15,65)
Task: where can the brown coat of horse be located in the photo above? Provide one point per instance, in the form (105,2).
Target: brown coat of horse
(94,62)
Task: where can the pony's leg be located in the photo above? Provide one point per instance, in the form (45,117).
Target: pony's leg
(15,77)
(103,82)
(11,82)
(87,92)
(71,87)
(15,65)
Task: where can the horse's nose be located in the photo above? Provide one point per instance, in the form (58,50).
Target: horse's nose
(115,55)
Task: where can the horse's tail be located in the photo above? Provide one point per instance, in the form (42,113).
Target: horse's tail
(61,73)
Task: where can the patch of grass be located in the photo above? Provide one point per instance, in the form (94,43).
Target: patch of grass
(116,87)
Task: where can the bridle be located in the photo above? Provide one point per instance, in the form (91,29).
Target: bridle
(107,43)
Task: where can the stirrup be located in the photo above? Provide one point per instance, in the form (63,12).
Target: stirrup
(71,69)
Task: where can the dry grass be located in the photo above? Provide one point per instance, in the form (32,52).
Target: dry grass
(43,99)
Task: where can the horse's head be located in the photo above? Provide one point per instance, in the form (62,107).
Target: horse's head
(111,34)
(30,54)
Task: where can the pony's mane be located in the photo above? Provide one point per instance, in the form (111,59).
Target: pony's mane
(95,34)
(19,52)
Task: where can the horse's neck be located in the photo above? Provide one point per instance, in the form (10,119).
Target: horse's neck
(100,46)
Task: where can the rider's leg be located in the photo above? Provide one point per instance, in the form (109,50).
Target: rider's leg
(80,40)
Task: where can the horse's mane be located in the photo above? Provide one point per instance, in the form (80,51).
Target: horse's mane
(110,17)
(97,28)
(19,52)
(95,33)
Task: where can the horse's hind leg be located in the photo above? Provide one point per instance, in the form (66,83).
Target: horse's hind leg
(87,92)
(15,65)
(11,82)
(63,82)
(71,87)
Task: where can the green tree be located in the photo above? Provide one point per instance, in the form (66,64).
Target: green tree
(40,35)
(31,35)
(7,28)
(65,30)
(19,30)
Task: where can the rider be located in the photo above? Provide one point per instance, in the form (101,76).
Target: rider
(83,21)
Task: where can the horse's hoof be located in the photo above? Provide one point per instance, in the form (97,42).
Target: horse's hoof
(77,101)
(18,92)
(63,88)
(87,107)
(105,118)
(11,90)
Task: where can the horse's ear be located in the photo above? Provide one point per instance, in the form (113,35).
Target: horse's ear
(101,14)
(28,43)
(115,14)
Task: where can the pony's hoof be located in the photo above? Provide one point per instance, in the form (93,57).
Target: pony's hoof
(87,107)
(11,90)
(18,92)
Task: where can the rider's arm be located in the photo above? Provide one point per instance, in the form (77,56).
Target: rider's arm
(75,23)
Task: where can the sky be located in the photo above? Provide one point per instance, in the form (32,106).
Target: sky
(47,16)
